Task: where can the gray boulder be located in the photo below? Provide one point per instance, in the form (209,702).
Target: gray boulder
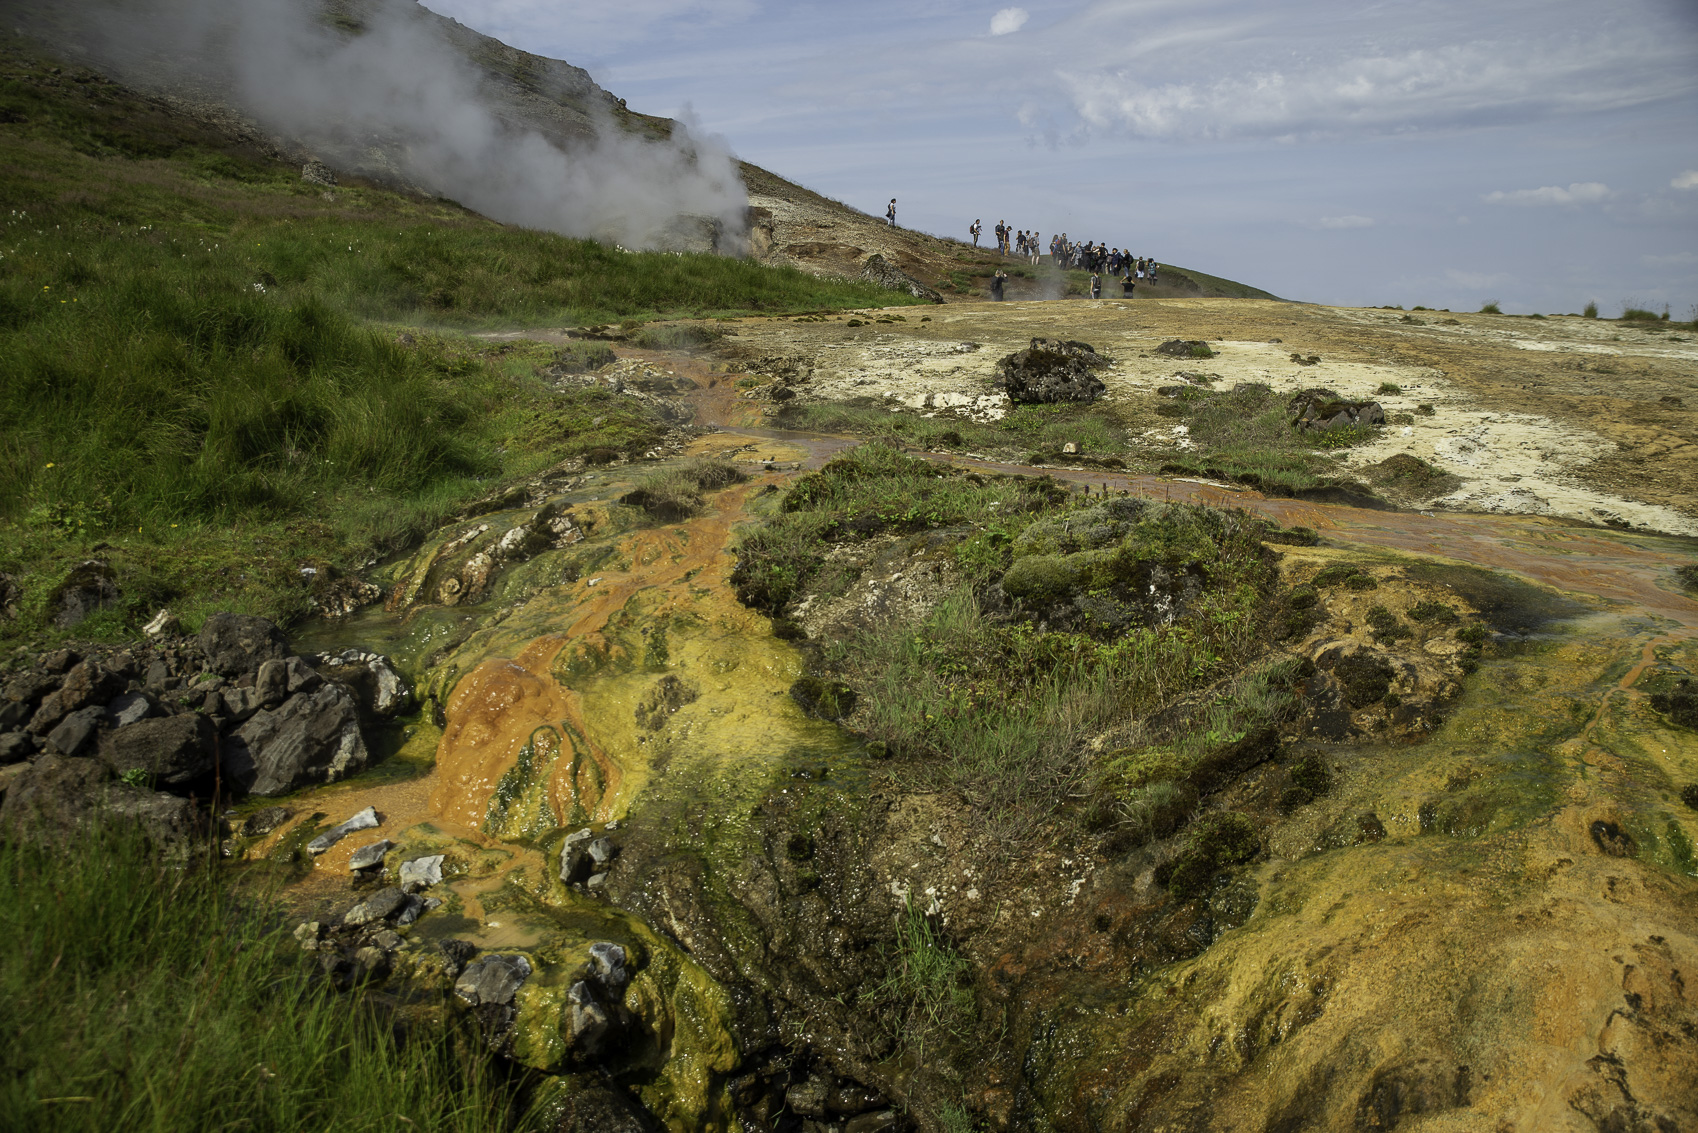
(172,751)
(367,856)
(1051,370)
(380,690)
(492,980)
(379,906)
(311,738)
(239,643)
(92,585)
(364,820)
(15,747)
(76,731)
(129,708)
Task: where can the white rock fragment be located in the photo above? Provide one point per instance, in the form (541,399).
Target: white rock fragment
(365,820)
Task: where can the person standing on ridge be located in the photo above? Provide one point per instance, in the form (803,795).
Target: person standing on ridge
(975,228)
(890,213)
(1096,286)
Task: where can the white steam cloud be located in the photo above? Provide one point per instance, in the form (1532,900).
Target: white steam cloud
(1686,180)
(385,91)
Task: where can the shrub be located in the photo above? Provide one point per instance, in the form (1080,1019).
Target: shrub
(1389,387)
(1591,311)
(1490,307)
(1638,314)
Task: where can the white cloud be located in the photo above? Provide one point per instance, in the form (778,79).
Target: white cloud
(1223,70)
(1579,193)
(1346,222)
(1009,20)
(1687,180)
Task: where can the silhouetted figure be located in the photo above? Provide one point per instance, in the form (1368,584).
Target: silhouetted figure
(996,285)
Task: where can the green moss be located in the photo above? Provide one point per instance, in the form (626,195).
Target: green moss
(1215,842)
(1386,625)
(1428,610)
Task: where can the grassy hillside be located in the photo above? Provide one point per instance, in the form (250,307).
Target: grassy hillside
(196,378)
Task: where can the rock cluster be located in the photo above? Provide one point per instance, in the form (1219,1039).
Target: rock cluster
(1052,370)
(1322,410)
(141,730)
(361,946)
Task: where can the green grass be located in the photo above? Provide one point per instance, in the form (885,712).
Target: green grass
(990,703)
(145,997)
(1490,307)
(1245,436)
(1097,430)
(677,493)
(202,374)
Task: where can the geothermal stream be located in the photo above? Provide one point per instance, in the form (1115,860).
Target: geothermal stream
(637,696)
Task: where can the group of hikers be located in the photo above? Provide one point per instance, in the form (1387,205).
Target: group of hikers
(1066,254)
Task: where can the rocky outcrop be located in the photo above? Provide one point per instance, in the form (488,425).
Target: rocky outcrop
(1052,370)
(1322,410)
(877,269)
(58,796)
(164,715)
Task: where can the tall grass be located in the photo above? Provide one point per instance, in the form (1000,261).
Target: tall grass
(135,996)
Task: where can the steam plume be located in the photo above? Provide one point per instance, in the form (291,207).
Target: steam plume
(381,91)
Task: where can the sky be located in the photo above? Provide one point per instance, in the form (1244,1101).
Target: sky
(1541,153)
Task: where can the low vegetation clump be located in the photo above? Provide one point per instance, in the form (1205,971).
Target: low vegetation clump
(1490,307)
(1064,616)
(1245,435)
(678,493)
(1639,314)
(155,997)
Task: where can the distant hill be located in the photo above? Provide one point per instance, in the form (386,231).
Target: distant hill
(788,224)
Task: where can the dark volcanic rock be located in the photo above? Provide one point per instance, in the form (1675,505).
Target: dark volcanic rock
(1322,410)
(598,1108)
(76,731)
(237,643)
(1051,370)
(311,738)
(58,794)
(91,586)
(172,751)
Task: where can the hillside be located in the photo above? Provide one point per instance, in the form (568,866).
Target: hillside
(787,224)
